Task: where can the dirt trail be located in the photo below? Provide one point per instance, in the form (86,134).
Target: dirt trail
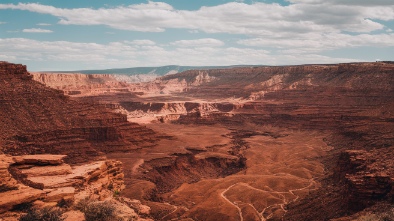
(136,166)
(279,171)
(261,214)
(232,203)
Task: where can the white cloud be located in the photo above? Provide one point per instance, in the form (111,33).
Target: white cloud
(2,22)
(36,30)
(346,2)
(7,58)
(123,54)
(236,18)
(321,42)
(305,27)
(203,42)
(43,24)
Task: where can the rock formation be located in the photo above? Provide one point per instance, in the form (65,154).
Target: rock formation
(368,174)
(41,186)
(252,143)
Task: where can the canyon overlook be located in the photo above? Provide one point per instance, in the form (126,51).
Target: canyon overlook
(306,142)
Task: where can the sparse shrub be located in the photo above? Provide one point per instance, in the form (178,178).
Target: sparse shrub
(96,210)
(65,203)
(83,204)
(25,207)
(100,211)
(45,214)
(116,193)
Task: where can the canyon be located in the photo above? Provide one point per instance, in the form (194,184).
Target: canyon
(306,142)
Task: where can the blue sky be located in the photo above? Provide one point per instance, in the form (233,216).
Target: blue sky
(96,34)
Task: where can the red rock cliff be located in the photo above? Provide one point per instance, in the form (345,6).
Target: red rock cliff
(37,119)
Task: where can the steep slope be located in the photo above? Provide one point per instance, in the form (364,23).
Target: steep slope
(37,119)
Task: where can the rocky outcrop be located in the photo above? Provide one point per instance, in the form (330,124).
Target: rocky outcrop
(368,174)
(46,179)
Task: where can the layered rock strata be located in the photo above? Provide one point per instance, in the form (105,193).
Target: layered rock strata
(45,180)
(36,119)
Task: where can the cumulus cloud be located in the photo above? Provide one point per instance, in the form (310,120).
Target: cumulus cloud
(124,54)
(321,42)
(203,42)
(305,27)
(37,30)
(346,2)
(235,17)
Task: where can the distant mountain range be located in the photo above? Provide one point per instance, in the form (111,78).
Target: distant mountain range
(145,74)
(157,71)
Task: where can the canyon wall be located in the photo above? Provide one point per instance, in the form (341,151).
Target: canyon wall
(38,119)
(344,112)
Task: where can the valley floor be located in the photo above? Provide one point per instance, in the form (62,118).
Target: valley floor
(280,166)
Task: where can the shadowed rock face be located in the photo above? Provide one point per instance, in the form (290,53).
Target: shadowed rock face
(313,139)
(38,119)
(368,174)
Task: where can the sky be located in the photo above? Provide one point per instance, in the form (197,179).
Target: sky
(66,35)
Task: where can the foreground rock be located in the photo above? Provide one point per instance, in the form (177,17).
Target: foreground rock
(45,180)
